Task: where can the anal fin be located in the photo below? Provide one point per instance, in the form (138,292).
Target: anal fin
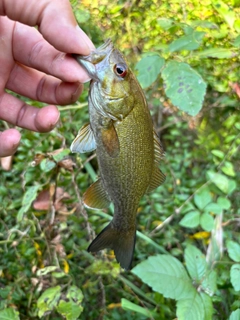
(96,197)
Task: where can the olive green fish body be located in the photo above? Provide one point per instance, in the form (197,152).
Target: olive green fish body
(127,148)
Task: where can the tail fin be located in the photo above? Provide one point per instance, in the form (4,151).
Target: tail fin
(122,242)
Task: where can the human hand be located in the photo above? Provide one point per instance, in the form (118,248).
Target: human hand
(34,63)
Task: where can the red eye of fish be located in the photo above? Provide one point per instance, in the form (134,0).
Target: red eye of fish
(120,70)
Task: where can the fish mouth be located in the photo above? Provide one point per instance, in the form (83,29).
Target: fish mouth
(89,62)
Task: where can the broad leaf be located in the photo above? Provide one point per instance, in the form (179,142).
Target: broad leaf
(195,262)
(165,275)
(213,208)
(224,203)
(184,87)
(202,198)
(221,181)
(148,69)
(191,219)
(48,300)
(233,250)
(220,53)
(225,11)
(191,308)
(189,42)
(235,276)
(9,314)
(206,221)
(235,315)
(208,306)
(29,196)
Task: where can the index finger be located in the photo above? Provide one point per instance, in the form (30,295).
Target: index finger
(55,20)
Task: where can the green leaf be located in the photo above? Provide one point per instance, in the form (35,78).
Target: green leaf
(202,198)
(233,250)
(165,23)
(235,315)
(9,314)
(209,283)
(224,203)
(191,219)
(61,155)
(184,87)
(208,306)
(228,169)
(166,275)
(213,208)
(236,42)
(191,308)
(224,10)
(148,69)
(71,308)
(47,165)
(46,270)
(206,221)
(221,181)
(220,53)
(128,305)
(235,276)
(29,196)
(218,153)
(48,300)
(195,262)
(189,42)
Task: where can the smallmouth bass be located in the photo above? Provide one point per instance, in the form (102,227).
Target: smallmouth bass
(127,147)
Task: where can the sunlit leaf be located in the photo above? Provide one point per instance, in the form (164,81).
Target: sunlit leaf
(225,11)
(184,87)
(9,314)
(48,300)
(191,308)
(166,275)
(148,69)
(220,53)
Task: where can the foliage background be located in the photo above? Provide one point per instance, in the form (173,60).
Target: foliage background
(194,214)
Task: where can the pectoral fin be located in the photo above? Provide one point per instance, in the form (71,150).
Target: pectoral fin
(110,139)
(157,179)
(96,197)
(84,141)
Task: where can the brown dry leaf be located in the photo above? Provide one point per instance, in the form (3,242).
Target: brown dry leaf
(6,163)
(236,88)
(43,199)
(67,164)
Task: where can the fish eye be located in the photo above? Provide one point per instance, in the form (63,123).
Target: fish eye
(120,70)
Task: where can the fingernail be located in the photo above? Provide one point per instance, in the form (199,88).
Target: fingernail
(85,39)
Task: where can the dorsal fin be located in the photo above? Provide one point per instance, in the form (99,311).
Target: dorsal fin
(96,197)
(84,141)
(158,149)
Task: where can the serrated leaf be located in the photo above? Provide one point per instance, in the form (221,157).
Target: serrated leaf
(209,283)
(213,207)
(29,196)
(166,275)
(202,198)
(224,203)
(48,300)
(225,11)
(129,306)
(184,87)
(220,53)
(148,69)
(9,314)
(191,219)
(208,306)
(235,315)
(195,262)
(233,250)
(235,276)
(189,42)
(190,309)
(206,221)
(221,181)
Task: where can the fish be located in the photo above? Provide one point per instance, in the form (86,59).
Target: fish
(127,147)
